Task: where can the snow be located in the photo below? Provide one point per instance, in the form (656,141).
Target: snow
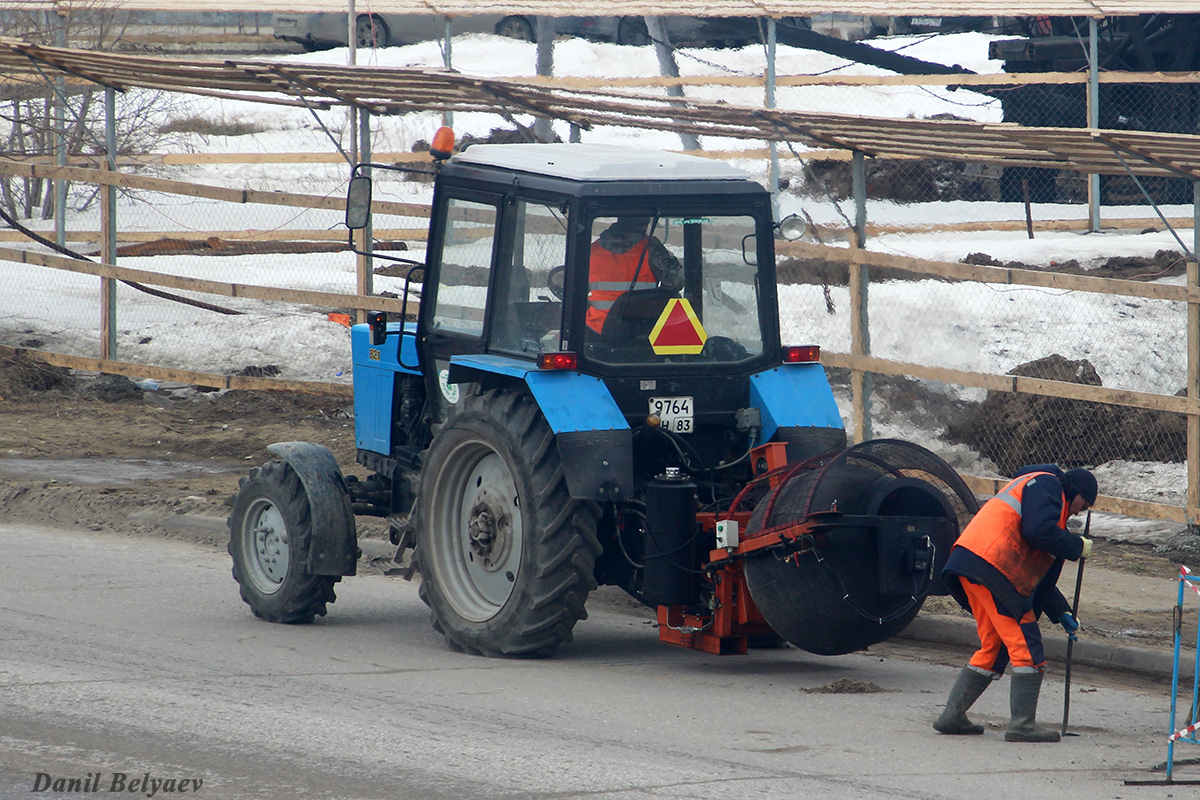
(1135,344)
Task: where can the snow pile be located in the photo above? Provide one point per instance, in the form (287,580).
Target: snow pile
(963,326)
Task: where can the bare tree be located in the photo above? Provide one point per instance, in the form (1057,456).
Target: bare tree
(28,104)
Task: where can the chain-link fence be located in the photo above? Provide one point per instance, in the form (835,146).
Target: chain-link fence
(209,244)
(1008,368)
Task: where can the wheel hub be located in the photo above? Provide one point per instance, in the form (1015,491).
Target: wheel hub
(477,538)
(270,543)
(488,529)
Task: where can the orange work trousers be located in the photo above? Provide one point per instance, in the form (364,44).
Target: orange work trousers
(1001,637)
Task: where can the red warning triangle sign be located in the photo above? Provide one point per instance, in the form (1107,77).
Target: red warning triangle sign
(678,330)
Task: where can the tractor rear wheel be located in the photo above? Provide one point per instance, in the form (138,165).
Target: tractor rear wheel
(270,531)
(506,555)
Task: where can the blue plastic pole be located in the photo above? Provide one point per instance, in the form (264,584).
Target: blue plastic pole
(1175,676)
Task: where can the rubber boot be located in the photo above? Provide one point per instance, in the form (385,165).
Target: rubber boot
(966,690)
(1023,703)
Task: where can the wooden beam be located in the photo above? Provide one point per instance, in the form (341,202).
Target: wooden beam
(255,292)
(106,178)
(193,377)
(989,487)
(1014,383)
(1001,275)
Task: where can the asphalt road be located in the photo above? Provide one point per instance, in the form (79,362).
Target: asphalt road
(134,657)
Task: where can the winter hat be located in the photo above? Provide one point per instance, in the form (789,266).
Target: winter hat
(1082,483)
(631,224)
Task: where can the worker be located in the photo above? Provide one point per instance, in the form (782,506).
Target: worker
(626,258)
(1004,568)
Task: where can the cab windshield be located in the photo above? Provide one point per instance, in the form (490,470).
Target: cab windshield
(672,289)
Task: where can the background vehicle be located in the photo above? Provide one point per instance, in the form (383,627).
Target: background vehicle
(1144,43)
(527,453)
(325,30)
(682,30)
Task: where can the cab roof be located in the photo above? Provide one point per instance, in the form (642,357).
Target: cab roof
(597,162)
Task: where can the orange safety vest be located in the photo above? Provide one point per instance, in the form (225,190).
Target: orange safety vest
(609,276)
(994,534)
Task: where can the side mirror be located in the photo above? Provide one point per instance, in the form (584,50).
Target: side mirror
(358,203)
(750,249)
(377,323)
(792,228)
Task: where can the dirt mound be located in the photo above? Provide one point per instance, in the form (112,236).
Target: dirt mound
(848,686)
(1015,430)
(21,377)
(188,448)
(1164,264)
(923,180)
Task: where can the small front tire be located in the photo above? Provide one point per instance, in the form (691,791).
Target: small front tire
(270,532)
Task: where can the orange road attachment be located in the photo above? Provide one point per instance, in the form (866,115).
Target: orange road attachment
(340,319)
(678,330)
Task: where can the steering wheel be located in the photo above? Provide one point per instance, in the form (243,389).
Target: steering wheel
(554,280)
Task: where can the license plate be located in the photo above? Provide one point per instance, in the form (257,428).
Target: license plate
(675,412)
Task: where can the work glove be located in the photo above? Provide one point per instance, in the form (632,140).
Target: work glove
(1069,623)
(1087,547)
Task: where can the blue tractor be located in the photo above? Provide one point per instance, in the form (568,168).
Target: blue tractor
(546,425)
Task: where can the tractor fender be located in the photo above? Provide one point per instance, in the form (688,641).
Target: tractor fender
(334,549)
(594,440)
(794,396)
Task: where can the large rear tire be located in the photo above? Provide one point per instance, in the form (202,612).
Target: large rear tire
(506,555)
(270,532)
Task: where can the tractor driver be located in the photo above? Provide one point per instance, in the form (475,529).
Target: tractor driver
(626,258)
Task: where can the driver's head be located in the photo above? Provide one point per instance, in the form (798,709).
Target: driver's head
(631,224)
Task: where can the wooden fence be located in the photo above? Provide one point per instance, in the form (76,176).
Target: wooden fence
(860,362)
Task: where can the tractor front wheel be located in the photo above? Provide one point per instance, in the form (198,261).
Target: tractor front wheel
(270,532)
(506,555)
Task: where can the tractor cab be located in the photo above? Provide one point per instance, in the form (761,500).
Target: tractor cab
(652,272)
(635,265)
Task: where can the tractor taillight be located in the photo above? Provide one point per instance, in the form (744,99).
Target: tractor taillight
(443,144)
(377,325)
(801,354)
(558,361)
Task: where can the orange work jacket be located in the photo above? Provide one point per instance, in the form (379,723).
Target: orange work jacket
(609,276)
(994,534)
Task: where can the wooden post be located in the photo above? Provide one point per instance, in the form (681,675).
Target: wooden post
(108,286)
(448,63)
(860,318)
(772,146)
(1193,391)
(108,232)
(657,29)
(1093,120)
(544,33)
(365,268)
(1193,369)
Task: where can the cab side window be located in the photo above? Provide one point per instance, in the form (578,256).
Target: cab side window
(466,264)
(527,319)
